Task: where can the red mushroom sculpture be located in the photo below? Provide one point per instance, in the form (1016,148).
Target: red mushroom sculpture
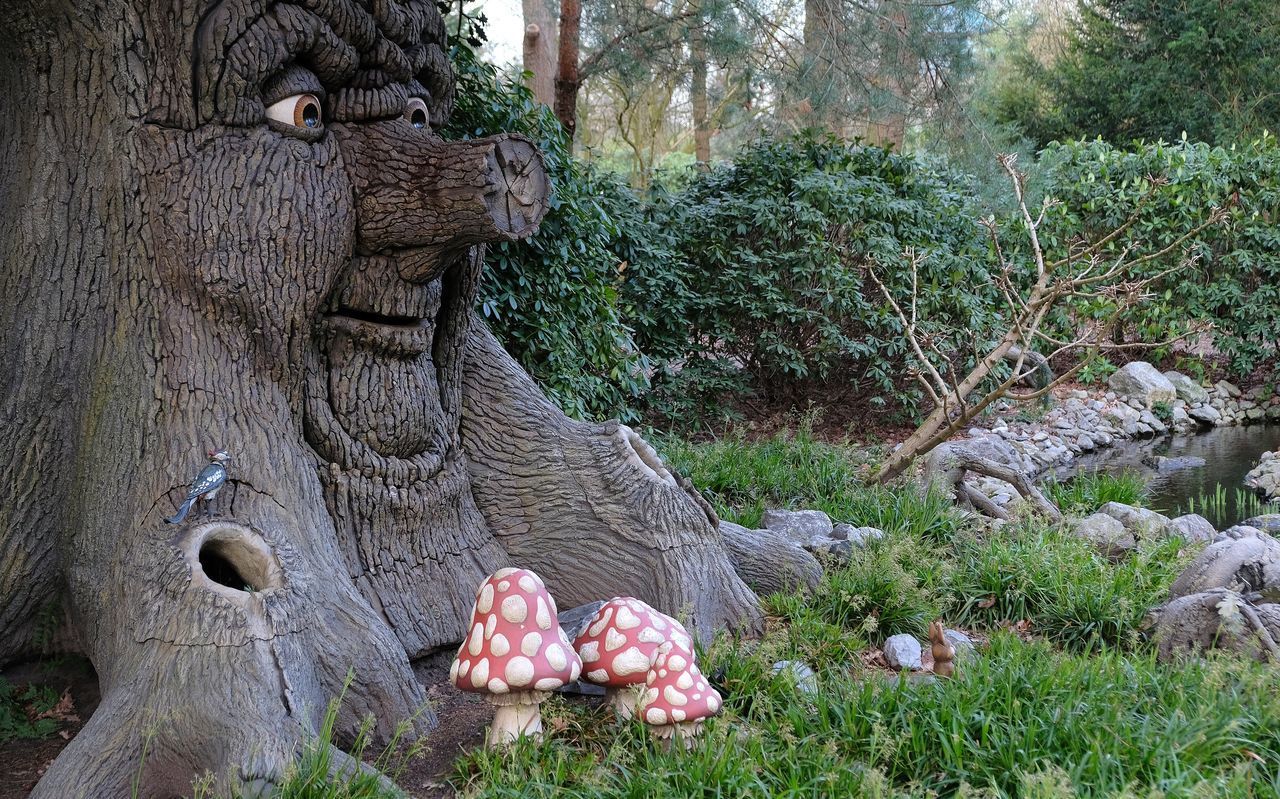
(515,652)
(677,697)
(619,645)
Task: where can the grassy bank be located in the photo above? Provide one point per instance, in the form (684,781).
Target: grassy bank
(1065,700)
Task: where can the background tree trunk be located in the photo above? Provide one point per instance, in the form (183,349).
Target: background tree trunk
(698,87)
(540,48)
(567,75)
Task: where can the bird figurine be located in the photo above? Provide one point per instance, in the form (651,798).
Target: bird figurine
(206,485)
(944,654)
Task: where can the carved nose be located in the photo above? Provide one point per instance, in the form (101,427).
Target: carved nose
(415,191)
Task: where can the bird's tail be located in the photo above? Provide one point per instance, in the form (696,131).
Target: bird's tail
(178,517)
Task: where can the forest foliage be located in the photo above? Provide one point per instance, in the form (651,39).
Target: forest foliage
(748,277)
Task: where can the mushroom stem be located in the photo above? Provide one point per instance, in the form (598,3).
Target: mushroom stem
(680,734)
(624,700)
(517,716)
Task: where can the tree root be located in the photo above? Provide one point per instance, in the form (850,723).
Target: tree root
(948,464)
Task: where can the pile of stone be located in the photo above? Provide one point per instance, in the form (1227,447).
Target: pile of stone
(813,531)
(1140,401)
(1116,528)
(1265,477)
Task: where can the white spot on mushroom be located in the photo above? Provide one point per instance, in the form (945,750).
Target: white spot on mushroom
(504,586)
(548,684)
(484,603)
(453,672)
(463,668)
(555,657)
(630,661)
(624,619)
(519,671)
(564,638)
(500,573)
(662,674)
(658,622)
(655,715)
(649,636)
(685,681)
(614,640)
(477,640)
(497,686)
(527,584)
(697,696)
(677,663)
(490,624)
(673,696)
(597,675)
(590,652)
(480,674)
(650,694)
(575,668)
(677,714)
(543,615)
(702,684)
(600,623)
(499,646)
(515,609)
(531,643)
(713,703)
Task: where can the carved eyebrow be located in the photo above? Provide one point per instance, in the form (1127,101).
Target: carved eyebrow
(294,79)
(235,60)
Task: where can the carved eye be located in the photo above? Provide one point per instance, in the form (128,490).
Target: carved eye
(415,111)
(299,111)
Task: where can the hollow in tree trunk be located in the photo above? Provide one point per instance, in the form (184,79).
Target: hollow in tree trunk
(231,225)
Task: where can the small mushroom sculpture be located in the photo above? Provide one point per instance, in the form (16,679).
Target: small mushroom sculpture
(944,654)
(677,697)
(515,652)
(619,645)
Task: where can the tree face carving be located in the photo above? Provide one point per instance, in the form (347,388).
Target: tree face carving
(225,224)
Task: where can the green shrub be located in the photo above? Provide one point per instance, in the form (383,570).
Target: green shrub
(1235,282)
(15,721)
(774,249)
(553,299)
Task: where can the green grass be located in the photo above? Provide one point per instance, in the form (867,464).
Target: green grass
(1080,709)
(1215,505)
(1086,492)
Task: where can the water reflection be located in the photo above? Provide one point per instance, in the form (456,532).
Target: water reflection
(1229,452)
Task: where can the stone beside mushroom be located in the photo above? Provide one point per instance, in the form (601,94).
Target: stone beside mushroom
(619,645)
(677,697)
(515,652)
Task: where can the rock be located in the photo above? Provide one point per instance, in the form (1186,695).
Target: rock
(902,652)
(1186,388)
(1164,464)
(1192,527)
(799,673)
(1268,523)
(1236,532)
(1213,619)
(1265,477)
(1142,521)
(1180,417)
(837,551)
(963,643)
(1205,413)
(1229,389)
(1273,413)
(798,525)
(1244,565)
(1106,534)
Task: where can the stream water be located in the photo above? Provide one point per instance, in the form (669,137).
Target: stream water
(1229,453)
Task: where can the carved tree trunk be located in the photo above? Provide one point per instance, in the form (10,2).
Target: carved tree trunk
(185,266)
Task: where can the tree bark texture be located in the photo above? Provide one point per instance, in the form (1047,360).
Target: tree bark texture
(183,269)
(567,75)
(698,88)
(540,48)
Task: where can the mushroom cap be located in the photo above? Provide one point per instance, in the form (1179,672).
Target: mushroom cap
(515,643)
(675,690)
(621,640)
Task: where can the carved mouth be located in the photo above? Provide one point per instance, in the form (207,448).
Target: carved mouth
(396,335)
